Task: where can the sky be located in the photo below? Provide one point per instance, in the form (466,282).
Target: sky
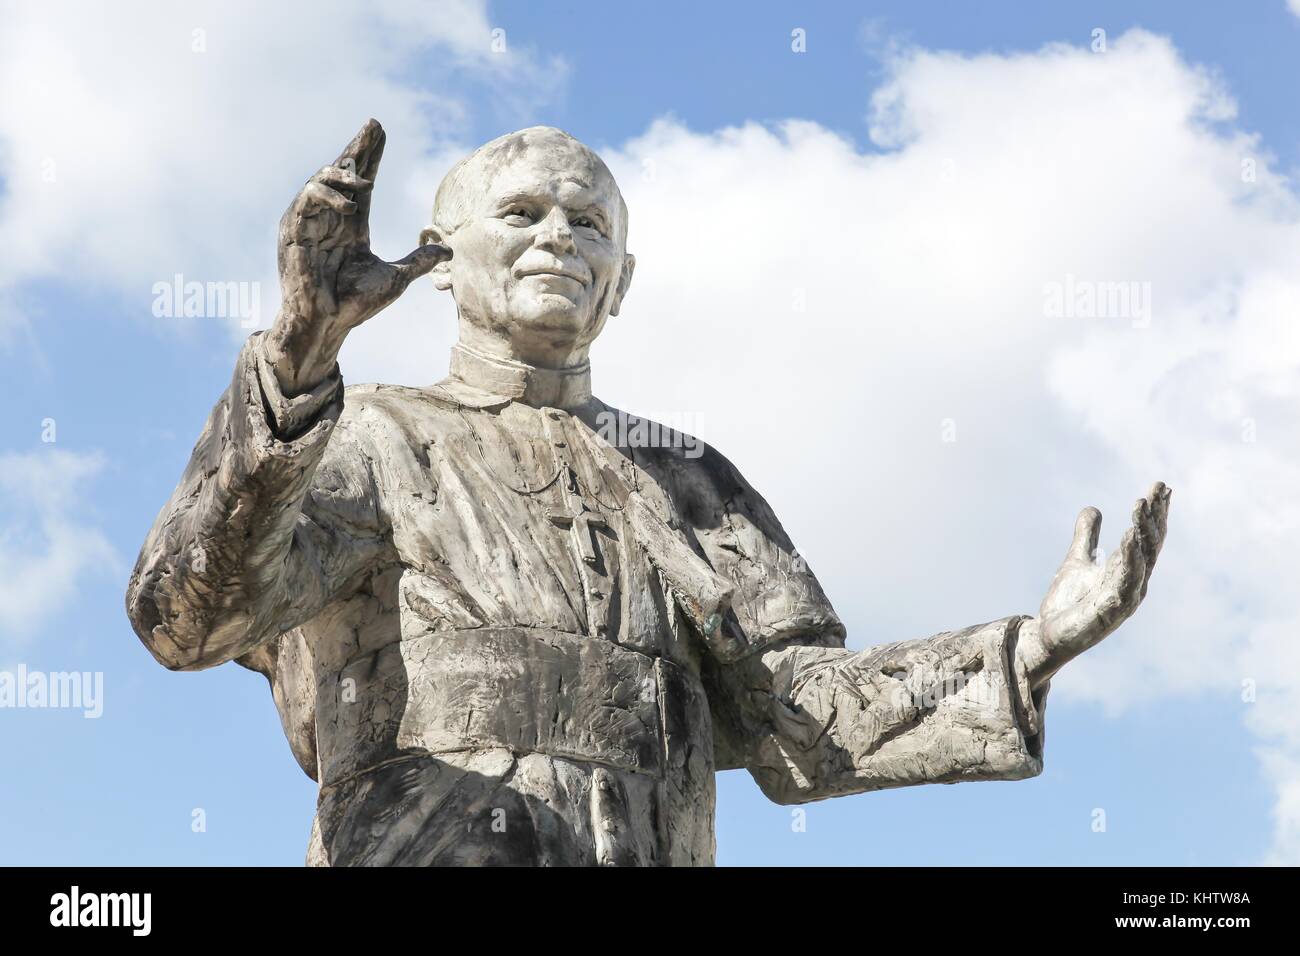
(873,244)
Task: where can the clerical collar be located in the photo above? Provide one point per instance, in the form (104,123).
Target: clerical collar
(518,382)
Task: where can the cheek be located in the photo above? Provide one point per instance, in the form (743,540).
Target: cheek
(480,252)
(503,246)
(603,261)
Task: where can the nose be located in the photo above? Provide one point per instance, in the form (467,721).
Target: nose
(555,235)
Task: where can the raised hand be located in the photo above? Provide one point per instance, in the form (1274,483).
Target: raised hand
(1087,599)
(330,281)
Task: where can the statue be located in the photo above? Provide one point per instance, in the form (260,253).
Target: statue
(497,631)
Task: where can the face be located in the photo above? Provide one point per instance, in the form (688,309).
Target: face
(539,263)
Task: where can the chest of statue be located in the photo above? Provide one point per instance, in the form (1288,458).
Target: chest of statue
(525,517)
(541,605)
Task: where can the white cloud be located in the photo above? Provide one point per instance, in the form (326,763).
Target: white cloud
(46,548)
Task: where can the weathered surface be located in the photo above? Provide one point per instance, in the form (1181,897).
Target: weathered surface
(498,632)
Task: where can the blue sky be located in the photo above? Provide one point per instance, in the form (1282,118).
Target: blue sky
(185,164)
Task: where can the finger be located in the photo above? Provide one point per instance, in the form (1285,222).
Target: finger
(318,196)
(1157,526)
(1155,497)
(1125,572)
(360,154)
(1145,511)
(1120,563)
(379,283)
(1141,511)
(420,262)
(1162,512)
(1135,551)
(339,178)
(1087,532)
(1144,521)
(370,162)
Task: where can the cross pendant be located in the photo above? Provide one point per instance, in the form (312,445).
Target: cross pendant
(581,520)
(576,516)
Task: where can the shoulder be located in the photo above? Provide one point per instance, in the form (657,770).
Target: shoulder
(390,428)
(776,595)
(398,408)
(658,446)
(670,453)
(395,400)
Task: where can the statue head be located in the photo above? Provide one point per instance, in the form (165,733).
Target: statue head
(538,229)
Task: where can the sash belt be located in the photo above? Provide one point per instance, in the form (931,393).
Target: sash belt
(527,690)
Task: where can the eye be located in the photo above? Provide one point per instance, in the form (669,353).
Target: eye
(586,222)
(518,216)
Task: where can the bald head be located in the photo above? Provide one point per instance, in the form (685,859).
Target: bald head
(538,231)
(547,146)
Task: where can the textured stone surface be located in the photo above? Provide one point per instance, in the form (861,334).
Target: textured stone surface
(497,633)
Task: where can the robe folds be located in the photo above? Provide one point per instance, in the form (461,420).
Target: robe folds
(501,629)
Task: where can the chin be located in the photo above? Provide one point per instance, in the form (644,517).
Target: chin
(553,312)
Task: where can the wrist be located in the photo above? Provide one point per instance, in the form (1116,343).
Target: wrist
(1032,657)
(290,416)
(298,362)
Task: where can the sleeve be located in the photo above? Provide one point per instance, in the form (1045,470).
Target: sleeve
(276,515)
(810,719)
(820,722)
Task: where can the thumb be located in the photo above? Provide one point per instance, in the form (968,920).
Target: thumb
(420,262)
(1087,532)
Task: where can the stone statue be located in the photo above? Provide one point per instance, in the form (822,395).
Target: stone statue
(497,631)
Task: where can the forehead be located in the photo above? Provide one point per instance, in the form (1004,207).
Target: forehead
(556,168)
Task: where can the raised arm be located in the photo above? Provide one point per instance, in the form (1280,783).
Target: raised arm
(277,512)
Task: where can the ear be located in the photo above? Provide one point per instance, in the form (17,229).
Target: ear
(624,280)
(442,271)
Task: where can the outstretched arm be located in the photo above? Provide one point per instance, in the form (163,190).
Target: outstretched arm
(823,721)
(814,720)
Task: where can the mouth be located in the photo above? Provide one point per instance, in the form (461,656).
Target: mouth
(553,274)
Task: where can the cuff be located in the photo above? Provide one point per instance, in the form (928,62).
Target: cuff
(289,417)
(1029,706)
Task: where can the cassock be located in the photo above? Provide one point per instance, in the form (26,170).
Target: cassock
(505,623)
